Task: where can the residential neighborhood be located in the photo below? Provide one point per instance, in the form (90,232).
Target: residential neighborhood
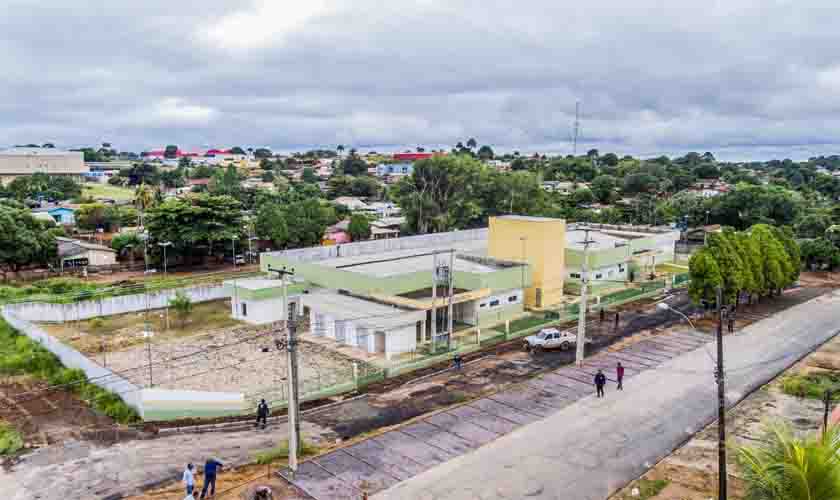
(419,250)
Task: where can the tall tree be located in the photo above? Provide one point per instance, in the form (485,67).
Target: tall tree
(359,227)
(751,256)
(719,245)
(776,266)
(24,240)
(472,143)
(705,276)
(196,221)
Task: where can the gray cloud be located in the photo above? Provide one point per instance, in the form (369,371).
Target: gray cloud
(748,79)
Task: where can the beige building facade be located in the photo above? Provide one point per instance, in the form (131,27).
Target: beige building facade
(19,162)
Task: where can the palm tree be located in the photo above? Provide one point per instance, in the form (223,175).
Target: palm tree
(787,467)
(472,143)
(340,149)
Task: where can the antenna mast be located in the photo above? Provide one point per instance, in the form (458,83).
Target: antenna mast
(577,127)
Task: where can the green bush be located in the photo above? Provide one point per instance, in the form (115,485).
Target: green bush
(282,451)
(21,356)
(10,440)
(811,386)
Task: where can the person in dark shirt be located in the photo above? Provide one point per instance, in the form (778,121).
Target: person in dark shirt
(262,413)
(619,374)
(600,382)
(210,469)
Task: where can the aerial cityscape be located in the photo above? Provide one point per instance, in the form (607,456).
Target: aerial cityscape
(419,250)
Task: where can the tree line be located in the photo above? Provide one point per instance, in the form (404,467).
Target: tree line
(758,262)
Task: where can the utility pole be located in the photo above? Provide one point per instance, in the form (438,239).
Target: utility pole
(584,278)
(434,301)
(577,127)
(291,364)
(451,276)
(721,400)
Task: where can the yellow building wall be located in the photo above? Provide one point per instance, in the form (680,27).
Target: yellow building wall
(539,242)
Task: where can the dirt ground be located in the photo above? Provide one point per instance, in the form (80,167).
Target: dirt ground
(691,471)
(239,484)
(100,336)
(234,360)
(44,418)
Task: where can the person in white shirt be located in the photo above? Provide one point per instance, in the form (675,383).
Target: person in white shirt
(189,480)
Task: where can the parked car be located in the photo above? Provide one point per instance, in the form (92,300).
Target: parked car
(550,338)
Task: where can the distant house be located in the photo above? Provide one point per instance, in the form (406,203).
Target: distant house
(414,156)
(337,234)
(386,227)
(401,168)
(561,187)
(351,203)
(710,189)
(63,215)
(76,253)
(383,208)
(698,234)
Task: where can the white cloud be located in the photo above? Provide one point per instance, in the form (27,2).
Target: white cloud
(266,22)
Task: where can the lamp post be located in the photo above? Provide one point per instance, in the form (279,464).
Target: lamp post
(719,377)
(662,306)
(233,249)
(164,244)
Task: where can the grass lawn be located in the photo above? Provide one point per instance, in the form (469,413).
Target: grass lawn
(528,322)
(96,191)
(671,268)
(125,330)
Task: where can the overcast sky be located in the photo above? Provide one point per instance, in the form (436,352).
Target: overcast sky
(744,79)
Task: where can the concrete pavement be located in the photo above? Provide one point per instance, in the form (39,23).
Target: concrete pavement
(589,449)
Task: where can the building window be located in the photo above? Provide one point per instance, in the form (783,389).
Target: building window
(513,298)
(244,310)
(575,275)
(621,268)
(484,304)
(494,303)
(599,276)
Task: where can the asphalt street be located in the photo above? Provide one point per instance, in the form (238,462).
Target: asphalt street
(589,449)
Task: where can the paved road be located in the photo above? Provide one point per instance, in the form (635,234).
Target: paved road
(590,449)
(548,435)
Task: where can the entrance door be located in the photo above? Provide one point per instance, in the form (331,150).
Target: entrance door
(379,338)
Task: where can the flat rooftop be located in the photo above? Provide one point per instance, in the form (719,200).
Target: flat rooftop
(363,312)
(600,241)
(399,262)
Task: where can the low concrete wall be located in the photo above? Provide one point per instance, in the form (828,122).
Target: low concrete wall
(41,311)
(162,404)
(71,358)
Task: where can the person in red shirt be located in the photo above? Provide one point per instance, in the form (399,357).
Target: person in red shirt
(619,375)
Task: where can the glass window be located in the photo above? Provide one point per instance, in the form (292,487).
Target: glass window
(244,309)
(513,298)
(575,275)
(599,276)
(494,303)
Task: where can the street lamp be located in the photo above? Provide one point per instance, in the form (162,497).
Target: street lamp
(164,244)
(662,306)
(233,244)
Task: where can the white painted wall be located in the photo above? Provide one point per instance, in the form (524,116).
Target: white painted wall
(258,312)
(400,341)
(41,311)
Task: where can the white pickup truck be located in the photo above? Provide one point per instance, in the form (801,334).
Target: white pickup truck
(550,338)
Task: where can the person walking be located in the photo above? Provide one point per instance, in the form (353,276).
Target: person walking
(619,375)
(458,361)
(211,468)
(602,315)
(730,323)
(600,382)
(616,320)
(262,413)
(189,478)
